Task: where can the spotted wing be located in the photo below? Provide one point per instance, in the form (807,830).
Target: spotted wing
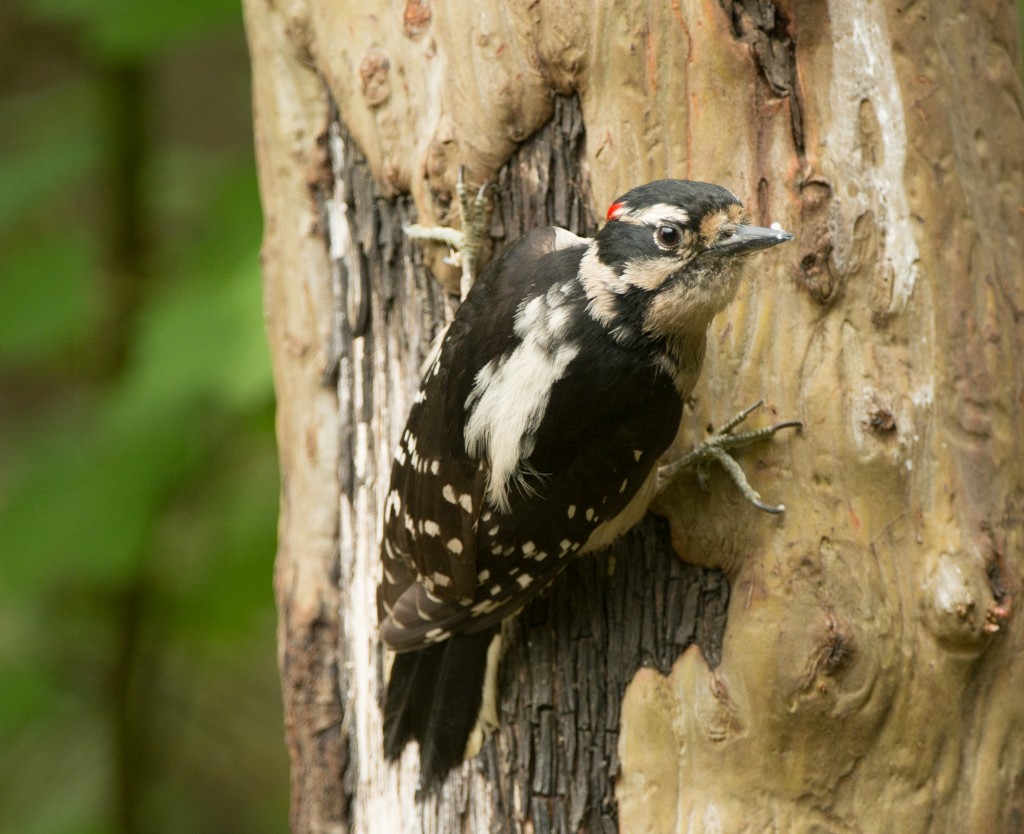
(592,480)
(435,500)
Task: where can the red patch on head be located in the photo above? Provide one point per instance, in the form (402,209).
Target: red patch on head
(615,210)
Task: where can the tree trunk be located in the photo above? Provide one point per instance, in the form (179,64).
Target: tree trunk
(868,677)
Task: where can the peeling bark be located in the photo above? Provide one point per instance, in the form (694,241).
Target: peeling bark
(869,675)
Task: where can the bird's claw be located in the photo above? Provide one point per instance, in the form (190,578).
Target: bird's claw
(474,226)
(716,447)
(464,242)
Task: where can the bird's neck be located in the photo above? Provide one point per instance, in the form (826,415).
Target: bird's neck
(603,288)
(669,330)
(683,358)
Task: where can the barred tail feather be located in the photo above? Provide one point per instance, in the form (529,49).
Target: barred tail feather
(435,696)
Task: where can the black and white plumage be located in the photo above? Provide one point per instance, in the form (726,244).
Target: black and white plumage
(535,437)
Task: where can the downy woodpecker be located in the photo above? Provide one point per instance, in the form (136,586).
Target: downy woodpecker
(535,437)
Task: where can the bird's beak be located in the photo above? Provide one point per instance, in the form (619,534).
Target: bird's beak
(748,239)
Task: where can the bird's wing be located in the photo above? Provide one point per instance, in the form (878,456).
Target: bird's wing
(437,491)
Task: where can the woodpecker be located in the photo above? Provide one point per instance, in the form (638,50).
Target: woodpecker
(535,437)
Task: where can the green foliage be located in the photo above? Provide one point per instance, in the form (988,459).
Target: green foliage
(43,155)
(125,29)
(138,480)
(36,272)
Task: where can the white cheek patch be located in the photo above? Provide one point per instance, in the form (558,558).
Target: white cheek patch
(651,273)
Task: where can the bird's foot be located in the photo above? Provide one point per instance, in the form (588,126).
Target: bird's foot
(716,447)
(465,242)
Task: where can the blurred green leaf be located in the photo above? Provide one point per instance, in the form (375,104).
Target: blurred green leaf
(30,178)
(88,505)
(49,141)
(138,503)
(227,513)
(130,28)
(85,506)
(27,694)
(203,340)
(46,295)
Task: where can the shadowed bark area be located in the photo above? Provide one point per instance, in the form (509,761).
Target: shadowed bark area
(869,675)
(572,655)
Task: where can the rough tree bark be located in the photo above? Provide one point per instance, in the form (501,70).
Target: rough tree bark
(869,675)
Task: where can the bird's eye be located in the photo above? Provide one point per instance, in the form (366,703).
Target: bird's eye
(667,236)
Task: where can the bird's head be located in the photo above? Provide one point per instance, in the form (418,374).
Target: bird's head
(670,258)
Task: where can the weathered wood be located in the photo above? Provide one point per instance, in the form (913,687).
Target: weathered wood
(869,676)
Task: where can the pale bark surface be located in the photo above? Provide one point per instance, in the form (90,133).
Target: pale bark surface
(872,664)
